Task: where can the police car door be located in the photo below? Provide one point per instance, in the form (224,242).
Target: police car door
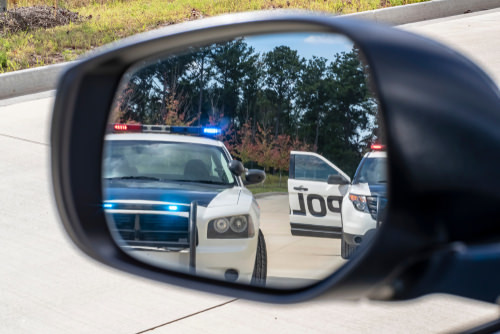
(315,205)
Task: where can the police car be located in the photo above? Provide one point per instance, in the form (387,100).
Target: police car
(364,205)
(316,189)
(324,202)
(176,198)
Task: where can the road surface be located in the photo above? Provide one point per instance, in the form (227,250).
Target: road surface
(293,260)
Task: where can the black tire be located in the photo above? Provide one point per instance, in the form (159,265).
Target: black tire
(260,267)
(346,250)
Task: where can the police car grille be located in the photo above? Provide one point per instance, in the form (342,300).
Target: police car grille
(371,202)
(381,207)
(152,230)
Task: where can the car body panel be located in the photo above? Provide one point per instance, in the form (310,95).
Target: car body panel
(356,224)
(315,205)
(148,201)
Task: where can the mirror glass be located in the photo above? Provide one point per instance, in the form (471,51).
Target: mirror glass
(258,160)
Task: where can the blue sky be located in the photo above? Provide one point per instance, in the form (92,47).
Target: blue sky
(307,44)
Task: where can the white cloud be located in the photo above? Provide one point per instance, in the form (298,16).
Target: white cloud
(326,39)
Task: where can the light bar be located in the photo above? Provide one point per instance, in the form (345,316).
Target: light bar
(377,147)
(187,130)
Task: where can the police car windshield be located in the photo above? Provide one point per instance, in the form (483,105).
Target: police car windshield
(166,162)
(372,171)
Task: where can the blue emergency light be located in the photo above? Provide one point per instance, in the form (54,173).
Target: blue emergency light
(108,205)
(211,131)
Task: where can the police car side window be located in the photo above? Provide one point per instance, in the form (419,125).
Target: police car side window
(308,167)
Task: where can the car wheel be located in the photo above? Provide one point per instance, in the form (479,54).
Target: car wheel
(346,250)
(260,268)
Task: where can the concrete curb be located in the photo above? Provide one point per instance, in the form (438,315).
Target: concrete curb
(434,9)
(45,78)
(262,195)
(30,81)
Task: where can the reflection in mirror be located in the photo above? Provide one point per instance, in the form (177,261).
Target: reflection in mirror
(258,160)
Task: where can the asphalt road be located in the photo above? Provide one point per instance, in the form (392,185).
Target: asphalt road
(475,35)
(294,260)
(48,286)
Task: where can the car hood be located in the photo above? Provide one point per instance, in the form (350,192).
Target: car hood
(378,189)
(369,189)
(205,196)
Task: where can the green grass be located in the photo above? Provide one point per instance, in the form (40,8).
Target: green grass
(271,184)
(115,19)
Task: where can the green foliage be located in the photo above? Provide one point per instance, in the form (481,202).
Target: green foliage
(338,105)
(273,183)
(229,63)
(290,103)
(4,48)
(115,19)
(283,67)
(3,59)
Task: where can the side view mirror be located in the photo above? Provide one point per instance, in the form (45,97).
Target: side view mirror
(236,167)
(158,200)
(254,176)
(337,179)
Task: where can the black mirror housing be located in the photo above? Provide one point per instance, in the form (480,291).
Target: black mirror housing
(236,167)
(337,179)
(254,176)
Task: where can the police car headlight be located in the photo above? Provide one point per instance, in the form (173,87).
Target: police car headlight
(221,225)
(238,224)
(358,201)
(234,227)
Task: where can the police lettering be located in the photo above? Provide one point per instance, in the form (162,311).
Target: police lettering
(311,198)
(302,209)
(322,210)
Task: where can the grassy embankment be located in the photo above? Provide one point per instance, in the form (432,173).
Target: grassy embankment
(115,19)
(271,184)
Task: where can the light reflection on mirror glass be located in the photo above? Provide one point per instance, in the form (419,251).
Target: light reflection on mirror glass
(260,160)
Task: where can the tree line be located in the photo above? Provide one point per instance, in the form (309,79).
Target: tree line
(267,103)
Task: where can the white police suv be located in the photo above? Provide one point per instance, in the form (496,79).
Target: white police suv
(316,188)
(364,204)
(176,198)
(325,203)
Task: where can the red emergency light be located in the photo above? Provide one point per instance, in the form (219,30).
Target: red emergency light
(377,147)
(127,127)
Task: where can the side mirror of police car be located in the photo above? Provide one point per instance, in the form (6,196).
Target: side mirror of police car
(432,108)
(236,167)
(254,176)
(337,179)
